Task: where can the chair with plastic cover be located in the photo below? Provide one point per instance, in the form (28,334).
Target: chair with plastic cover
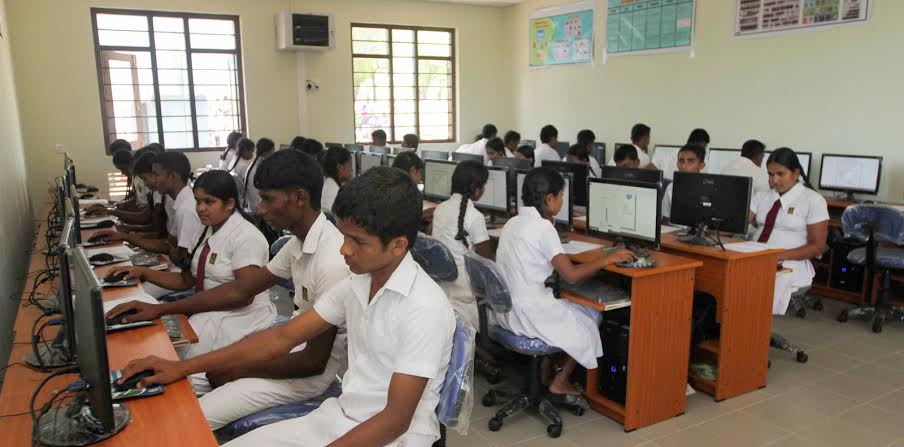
(435,258)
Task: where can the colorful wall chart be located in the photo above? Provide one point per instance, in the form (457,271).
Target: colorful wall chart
(562,35)
(643,25)
(772,16)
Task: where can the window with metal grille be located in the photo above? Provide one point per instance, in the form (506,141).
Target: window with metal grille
(404,82)
(118,185)
(172,78)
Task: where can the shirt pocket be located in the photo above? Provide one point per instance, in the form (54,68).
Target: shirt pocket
(218,268)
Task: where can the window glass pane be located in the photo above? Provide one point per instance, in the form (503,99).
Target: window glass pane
(122,22)
(216,138)
(371,79)
(177,123)
(368,65)
(372,107)
(434,37)
(403,93)
(434,106)
(434,67)
(371,93)
(400,131)
(172,77)
(435,93)
(173,92)
(404,106)
(169,24)
(435,133)
(123,38)
(403,65)
(174,107)
(359,33)
(404,119)
(213,41)
(169,60)
(434,80)
(375,48)
(403,49)
(403,79)
(434,50)
(169,41)
(402,35)
(211,26)
(178,140)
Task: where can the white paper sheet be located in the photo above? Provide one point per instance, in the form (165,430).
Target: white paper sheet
(88,202)
(575,247)
(746,247)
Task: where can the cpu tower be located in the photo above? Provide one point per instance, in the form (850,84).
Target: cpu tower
(613,365)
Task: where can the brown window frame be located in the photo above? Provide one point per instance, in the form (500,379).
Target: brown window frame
(151,48)
(417,113)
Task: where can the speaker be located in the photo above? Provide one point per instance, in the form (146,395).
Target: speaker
(845,275)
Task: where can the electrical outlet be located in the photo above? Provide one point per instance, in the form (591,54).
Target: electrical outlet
(60,148)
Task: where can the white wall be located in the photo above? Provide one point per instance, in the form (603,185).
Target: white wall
(831,91)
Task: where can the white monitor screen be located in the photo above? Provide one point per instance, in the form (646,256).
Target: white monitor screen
(850,173)
(495,193)
(562,217)
(438,178)
(390,159)
(718,159)
(666,159)
(369,161)
(354,164)
(629,211)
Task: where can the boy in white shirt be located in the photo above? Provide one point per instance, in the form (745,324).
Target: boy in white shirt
(750,164)
(549,137)
(400,329)
(640,139)
(690,159)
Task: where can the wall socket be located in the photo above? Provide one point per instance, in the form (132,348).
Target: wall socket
(60,148)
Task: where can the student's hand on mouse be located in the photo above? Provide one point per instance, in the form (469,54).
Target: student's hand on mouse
(620,255)
(113,235)
(97,211)
(143,311)
(131,272)
(165,371)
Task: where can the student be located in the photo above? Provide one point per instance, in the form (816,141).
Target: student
(700,137)
(460,227)
(410,163)
(118,145)
(133,210)
(577,153)
(749,164)
(549,137)
(525,152)
(297,142)
(529,252)
(690,159)
(511,140)
(122,161)
(244,153)
(494,148)
(378,139)
(312,147)
(251,198)
(400,328)
(337,169)
(586,138)
(791,216)
(226,158)
(290,184)
(640,138)
(626,157)
(478,147)
(410,141)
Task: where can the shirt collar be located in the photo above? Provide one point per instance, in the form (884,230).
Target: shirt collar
(793,194)
(312,239)
(184,194)
(225,232)
(529,211)
(401,281)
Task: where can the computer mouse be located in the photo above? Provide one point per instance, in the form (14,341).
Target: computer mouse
(101,257)
(81,185)
(114,278)
(86,196)
(105,224)
(92,189)
(132,382)
(117,319)
(98,238)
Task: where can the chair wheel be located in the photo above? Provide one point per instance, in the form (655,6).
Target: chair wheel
(801,313)
(554,431)
(817,306)
(489,399)
(843,317)
(494,424)
(802,357)
(494,378)
(578,411)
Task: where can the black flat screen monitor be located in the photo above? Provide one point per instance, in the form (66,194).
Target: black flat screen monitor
(438,179)
(850,173)
(565,217)
(354,147)
(634,175)
(721,202)
(464,156)
(72,211)
(622,210)
(599,153)
(67,243)
(367,160)
(511,163)
(388,160)
(562,148)
(531,143)
(579,174)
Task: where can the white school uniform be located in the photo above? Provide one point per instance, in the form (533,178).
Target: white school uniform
(141,191)
(186,223)
(667,202)
(328,194)
(642,156)
(801,206)
(445,227)
(236,245)
(745,167)
(251,197)
(406,328)
(315,266)
(241,167)
(169,209)
(527,245)
(544,152)
(227,161)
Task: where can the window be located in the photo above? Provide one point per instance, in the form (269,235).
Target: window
(404,82)
(167,77)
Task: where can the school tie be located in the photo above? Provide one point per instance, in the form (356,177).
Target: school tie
(202,263)
(770,221)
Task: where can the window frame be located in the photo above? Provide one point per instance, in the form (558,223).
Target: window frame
(151,48)
(452,59)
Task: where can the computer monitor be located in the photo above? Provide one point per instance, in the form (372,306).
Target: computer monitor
(850,174)
(367,160)
(61,200)
(384,150)
(72,209)
(434,155)
(332,145)
(463,156)
(354,164)
(565,216)
(511,163)
(438,179)
(531,143)
(284,146)
(496,192)
(579,174)
(388,160)
(562,148)
(665,157)
(630,174)
(719,158)
(599,153)
(354,147)
(720,202)
(399,150)
(623,210)
(68,172)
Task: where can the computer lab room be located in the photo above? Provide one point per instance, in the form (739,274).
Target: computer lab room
(626,223)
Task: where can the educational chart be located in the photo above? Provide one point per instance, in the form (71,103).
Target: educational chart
(644,25)
(562,35)
(775,16)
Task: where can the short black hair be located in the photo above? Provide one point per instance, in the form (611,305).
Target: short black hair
(625,152)
(511,136)
(548,132)
(384,201)
(697,149)
(752,148)
(120,145)
(289,170)
(538,183)
(297,142)
(175,162)
(698,136)
(244,145)
(122,158)
(144,164)
(407,160)
(580,151)
(496,145)
(379,133)
(233,138)
(586,137)
(489,131)
(264,146)
(155,147)
(331,160)
(526,151)
(639,131)
(311,147)
(411,140)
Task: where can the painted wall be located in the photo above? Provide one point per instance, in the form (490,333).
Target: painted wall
(831,91)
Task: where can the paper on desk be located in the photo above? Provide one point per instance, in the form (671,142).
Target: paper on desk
(575,247)
(746,247)
(96,220)
(580,218)
(666,229)
(495,232)
(89,202)
(137,296)
(119,251)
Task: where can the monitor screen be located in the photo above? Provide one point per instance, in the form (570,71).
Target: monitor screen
(511,163)
(599,153)
(566,213)
(367,160)
(635,175)
(463,156)
(495,192)
(354,147)
(718,159)
(531,143)
(67,241)
(579,173)
(438,179)
(665,157)
(72,210)
(850,173)
(720,201)
(562,148)
(625,209)
(434,155)
(378,150)
(389,160)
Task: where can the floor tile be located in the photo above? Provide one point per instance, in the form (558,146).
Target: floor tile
(691,437)
(835,432)
(875,420)
(603,432)
(546,441)
(891,401)
(794,441)
(517,428)
(756,431)
(853,387)
(746,400)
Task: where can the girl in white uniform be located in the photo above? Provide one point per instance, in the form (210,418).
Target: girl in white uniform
(791,216)
(460,227)
(243,157)
(226,158)
(337,169)
(529,251)
(228,247)
(251,197)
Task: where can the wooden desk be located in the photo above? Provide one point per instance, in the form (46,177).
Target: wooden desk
(172,418)
(742,284)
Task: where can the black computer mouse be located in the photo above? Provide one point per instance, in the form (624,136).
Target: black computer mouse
(91,189)
(86,196)
(98,238)
(101,257)
(81,185)
(111,278)
(132,382)
(117,319)
(105,224)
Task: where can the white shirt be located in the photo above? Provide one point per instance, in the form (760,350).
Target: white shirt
(744,167)
(186,224)
(595,170)
(252,197)
(527,245)
(801,206)
(642,156)
(328,194)
(667,201)
(141,191)
(225,163)
(406,328)
(544,152)
(241,167)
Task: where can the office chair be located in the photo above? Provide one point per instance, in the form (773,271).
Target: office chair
(778,341)
(434,258)
(491,291)
(872,225)
(801,299)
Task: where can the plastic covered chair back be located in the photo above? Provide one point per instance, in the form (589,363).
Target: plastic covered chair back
(278,244)
(239,183)
(486,282)
(456,398)
(435,258)
(886,223)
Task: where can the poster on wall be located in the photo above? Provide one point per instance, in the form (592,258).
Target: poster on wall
(757,17)
(562,35)
(649,25)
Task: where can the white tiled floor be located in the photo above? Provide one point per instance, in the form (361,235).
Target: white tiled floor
(850,393)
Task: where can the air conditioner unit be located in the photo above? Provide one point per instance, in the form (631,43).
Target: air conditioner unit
(299,31)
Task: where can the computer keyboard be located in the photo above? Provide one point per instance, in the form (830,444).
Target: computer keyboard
(600,291)
(171,324)
(642,258)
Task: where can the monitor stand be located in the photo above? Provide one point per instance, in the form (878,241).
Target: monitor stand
(74,424)
(849,197)
(47,355)
(698,237)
